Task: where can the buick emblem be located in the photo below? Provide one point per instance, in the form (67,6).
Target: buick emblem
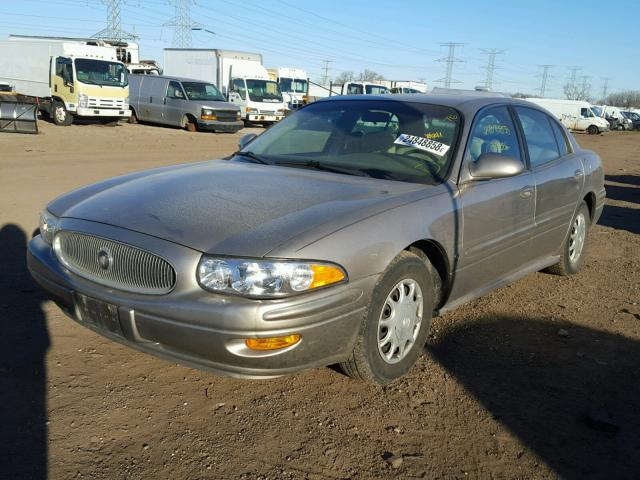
(105,259)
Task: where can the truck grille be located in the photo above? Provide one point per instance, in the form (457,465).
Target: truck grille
(114,264)
(97,102)
(226,115)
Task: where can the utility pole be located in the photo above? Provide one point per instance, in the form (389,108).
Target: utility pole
(182,24)
(545,78)
(114,25)
(450,60)
(605,87)
(325,69)
(491,66)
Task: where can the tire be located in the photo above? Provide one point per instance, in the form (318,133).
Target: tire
(593,130)
(60,115)
(570,260)
(133,118)
(366,362)
(188,124)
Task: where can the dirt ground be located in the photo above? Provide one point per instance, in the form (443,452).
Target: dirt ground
(500,393)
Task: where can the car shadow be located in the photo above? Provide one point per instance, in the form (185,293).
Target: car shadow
(623,193)
(573,400)
(620,218)
(24,341)
(626,179)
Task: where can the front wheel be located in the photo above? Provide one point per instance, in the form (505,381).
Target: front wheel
(592,130)
(572,254)
(61,115)
(189,124)
(396,324)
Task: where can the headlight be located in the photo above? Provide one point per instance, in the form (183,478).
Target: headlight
(49,225)
(208,114)
(280,112)
(252,110)
(263,278)
(126,102)
(238,115)
(83,100)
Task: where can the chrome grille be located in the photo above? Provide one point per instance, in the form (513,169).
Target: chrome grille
(114,264)
(227,115)
(98,102)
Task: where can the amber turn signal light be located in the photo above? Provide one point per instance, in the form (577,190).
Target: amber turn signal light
(272,343)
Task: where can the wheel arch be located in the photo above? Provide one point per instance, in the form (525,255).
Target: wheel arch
(435,253)
(590,200)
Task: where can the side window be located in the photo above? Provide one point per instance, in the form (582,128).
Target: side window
(493,132)
(64,69)
(174,90)
(238,86)
(541,142)
(561,138)
(354,89)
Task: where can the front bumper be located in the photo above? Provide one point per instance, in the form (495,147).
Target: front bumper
(216,126)
(103,112)
(205,330)
(263,118)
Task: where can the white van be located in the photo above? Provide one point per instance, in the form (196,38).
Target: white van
(576,115)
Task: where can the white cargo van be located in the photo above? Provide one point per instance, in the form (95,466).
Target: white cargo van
(240,76)
(576,115)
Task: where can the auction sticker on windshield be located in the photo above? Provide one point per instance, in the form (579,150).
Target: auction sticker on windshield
(422,143)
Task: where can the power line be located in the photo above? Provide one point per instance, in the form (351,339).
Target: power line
(545,78)
(114,25)
(491,65)
(450,60)
(182,24)
(325,69)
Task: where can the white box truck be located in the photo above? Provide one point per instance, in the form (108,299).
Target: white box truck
(66,78)
(574,114)
(238,75)
(294,85)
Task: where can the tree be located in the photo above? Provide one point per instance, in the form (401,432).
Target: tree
(625,98)
(344,77)
(577,91)
(370,76)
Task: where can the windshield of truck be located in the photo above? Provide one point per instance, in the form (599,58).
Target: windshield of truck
(376,89)
(264,91)
(408,142)
(597,111)
(202,91)
(100,72)
(293,85)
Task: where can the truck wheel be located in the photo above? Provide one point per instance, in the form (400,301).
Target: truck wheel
(133,118)
(395,326)
(572,255)
(592,130)
(60,115)
(189,124)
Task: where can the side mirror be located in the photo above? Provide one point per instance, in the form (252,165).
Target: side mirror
(494,165)
(246,140)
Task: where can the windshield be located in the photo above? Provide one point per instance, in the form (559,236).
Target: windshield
(409,142)
(597,111)
(202,91)
(99,72)
(376,89)
(264,91)
(293,85)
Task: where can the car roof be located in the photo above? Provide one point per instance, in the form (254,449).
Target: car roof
(167,77)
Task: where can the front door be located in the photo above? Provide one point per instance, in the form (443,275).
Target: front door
(175,104)
(62,84)
(497,215)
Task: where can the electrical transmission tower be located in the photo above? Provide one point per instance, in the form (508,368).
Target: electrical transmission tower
(605,87)
(574,73)
(182,23)
(325,69)
(114,26)
(450,60)
(491,66)
(545,78)
(586,86)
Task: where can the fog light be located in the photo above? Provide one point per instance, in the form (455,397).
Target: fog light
(272,343)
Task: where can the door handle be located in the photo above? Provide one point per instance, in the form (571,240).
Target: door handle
(150,99)
(578,174)
(526,192)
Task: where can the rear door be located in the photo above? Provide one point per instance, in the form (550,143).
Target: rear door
(497,214)
(559,178)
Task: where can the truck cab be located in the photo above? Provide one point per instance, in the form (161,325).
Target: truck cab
(294,85)
(363,88)
(258,97)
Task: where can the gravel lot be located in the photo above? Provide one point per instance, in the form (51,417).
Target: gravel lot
(540,379)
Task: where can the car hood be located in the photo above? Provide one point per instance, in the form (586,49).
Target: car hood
(217,105)
(234,208)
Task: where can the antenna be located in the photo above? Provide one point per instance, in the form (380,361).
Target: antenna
(450,60)
(114,26)
(491,65)
(545,78)
(182,24)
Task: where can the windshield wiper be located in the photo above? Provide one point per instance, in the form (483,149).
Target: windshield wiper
(316,165)
(252,156)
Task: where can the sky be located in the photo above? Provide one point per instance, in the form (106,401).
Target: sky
(400,39)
